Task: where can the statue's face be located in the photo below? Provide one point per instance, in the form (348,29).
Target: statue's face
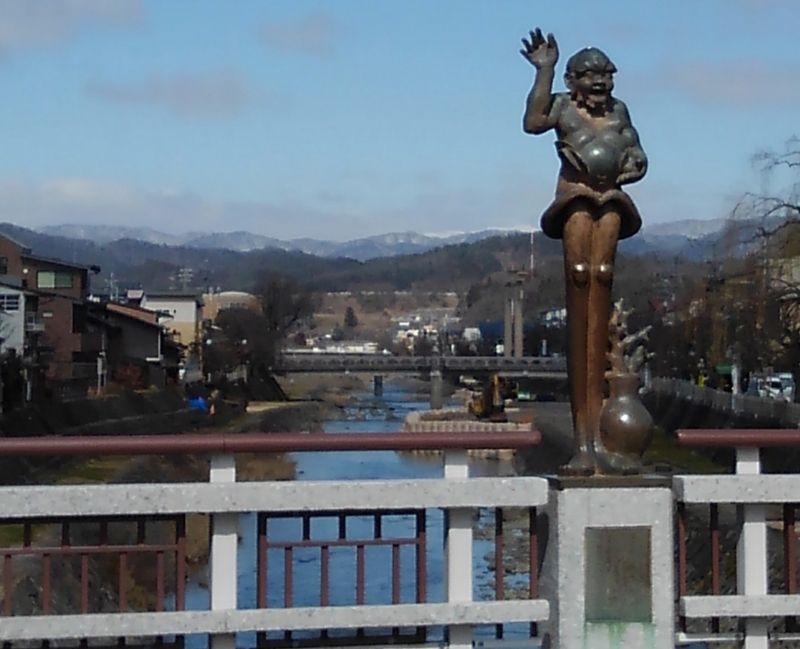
(592,87)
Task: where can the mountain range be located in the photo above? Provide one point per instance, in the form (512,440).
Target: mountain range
(385,245)
(673,235)
(133,257)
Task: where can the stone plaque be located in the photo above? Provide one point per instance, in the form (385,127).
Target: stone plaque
(618,578)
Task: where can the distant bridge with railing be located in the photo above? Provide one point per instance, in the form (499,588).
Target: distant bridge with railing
(542,366)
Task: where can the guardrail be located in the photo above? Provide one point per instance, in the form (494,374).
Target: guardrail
(759,409)
(746,588)
(743,526)
(104,610)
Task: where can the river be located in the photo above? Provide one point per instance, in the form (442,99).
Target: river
(368,413)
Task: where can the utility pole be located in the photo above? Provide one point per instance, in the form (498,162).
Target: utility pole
(514,319)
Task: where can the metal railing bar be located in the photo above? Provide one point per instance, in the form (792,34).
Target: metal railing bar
(337,514)
(737,437)
(74,550)
(84,583)
(47,592)
(499,567)
(287,577)
(715,558)
(261,561)
(206,444)
(360,573)
(420,556)
(533,563)
(180,564)
(316,543)
(8,584)
(160,582)
(396,573)
(123,582)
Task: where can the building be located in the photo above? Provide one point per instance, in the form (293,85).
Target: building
(13,318)
(55,300)
(213,303)
(134,342)
(181,314)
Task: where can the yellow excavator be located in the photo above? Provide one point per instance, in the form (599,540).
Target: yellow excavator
(490,401)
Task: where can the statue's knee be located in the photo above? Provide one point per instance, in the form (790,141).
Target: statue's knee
(580,274)
(604,273)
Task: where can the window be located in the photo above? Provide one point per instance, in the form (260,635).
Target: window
(9,302)
(78,318)
(3,265)
(53,279)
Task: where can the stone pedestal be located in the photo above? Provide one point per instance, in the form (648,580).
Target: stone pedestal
(608,566)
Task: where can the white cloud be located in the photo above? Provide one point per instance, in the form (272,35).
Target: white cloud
(740,84)
(35,23)
(208,95)
(313,34)
(74,200)
(516,201)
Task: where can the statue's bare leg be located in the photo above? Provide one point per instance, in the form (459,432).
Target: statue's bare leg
(605,234)
(577,240)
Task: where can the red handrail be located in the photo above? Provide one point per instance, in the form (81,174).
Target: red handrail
(213,444)
(733,437)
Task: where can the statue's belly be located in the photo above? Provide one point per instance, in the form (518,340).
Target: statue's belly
(597,155)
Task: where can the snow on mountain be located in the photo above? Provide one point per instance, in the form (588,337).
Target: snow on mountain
(674,235)
(384,245)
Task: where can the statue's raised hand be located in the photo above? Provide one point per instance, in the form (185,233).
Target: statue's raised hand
(540,52)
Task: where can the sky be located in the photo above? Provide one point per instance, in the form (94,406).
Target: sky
(342,119)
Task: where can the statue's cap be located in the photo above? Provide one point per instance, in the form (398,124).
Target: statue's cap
(590,58)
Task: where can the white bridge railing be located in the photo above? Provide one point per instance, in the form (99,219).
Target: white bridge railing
(224,500)
(748,520)
(763,580)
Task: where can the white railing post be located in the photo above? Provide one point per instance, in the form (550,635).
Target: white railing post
(751,550)
(458,549)
(222,560)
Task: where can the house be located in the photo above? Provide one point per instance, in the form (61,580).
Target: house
(180,313)
(133,338)
(56,292)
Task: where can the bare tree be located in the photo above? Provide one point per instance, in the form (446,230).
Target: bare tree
(284,303)
(769,222)
(778,205)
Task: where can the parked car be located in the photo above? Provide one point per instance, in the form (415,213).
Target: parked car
(779,386)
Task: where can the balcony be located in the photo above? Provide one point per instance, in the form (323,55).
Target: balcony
(34,324)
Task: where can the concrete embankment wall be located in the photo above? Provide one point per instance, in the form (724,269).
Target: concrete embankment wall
(677,404)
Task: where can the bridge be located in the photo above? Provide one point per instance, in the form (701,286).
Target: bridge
(381,363)
(67,565)
(547,373)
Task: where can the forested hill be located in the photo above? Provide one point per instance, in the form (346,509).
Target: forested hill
(153,266)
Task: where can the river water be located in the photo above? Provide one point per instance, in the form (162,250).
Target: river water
(367,413)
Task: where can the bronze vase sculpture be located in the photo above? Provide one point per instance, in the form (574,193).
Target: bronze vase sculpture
(625,427)
(599,150)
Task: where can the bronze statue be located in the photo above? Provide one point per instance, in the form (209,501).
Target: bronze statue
(600,151)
